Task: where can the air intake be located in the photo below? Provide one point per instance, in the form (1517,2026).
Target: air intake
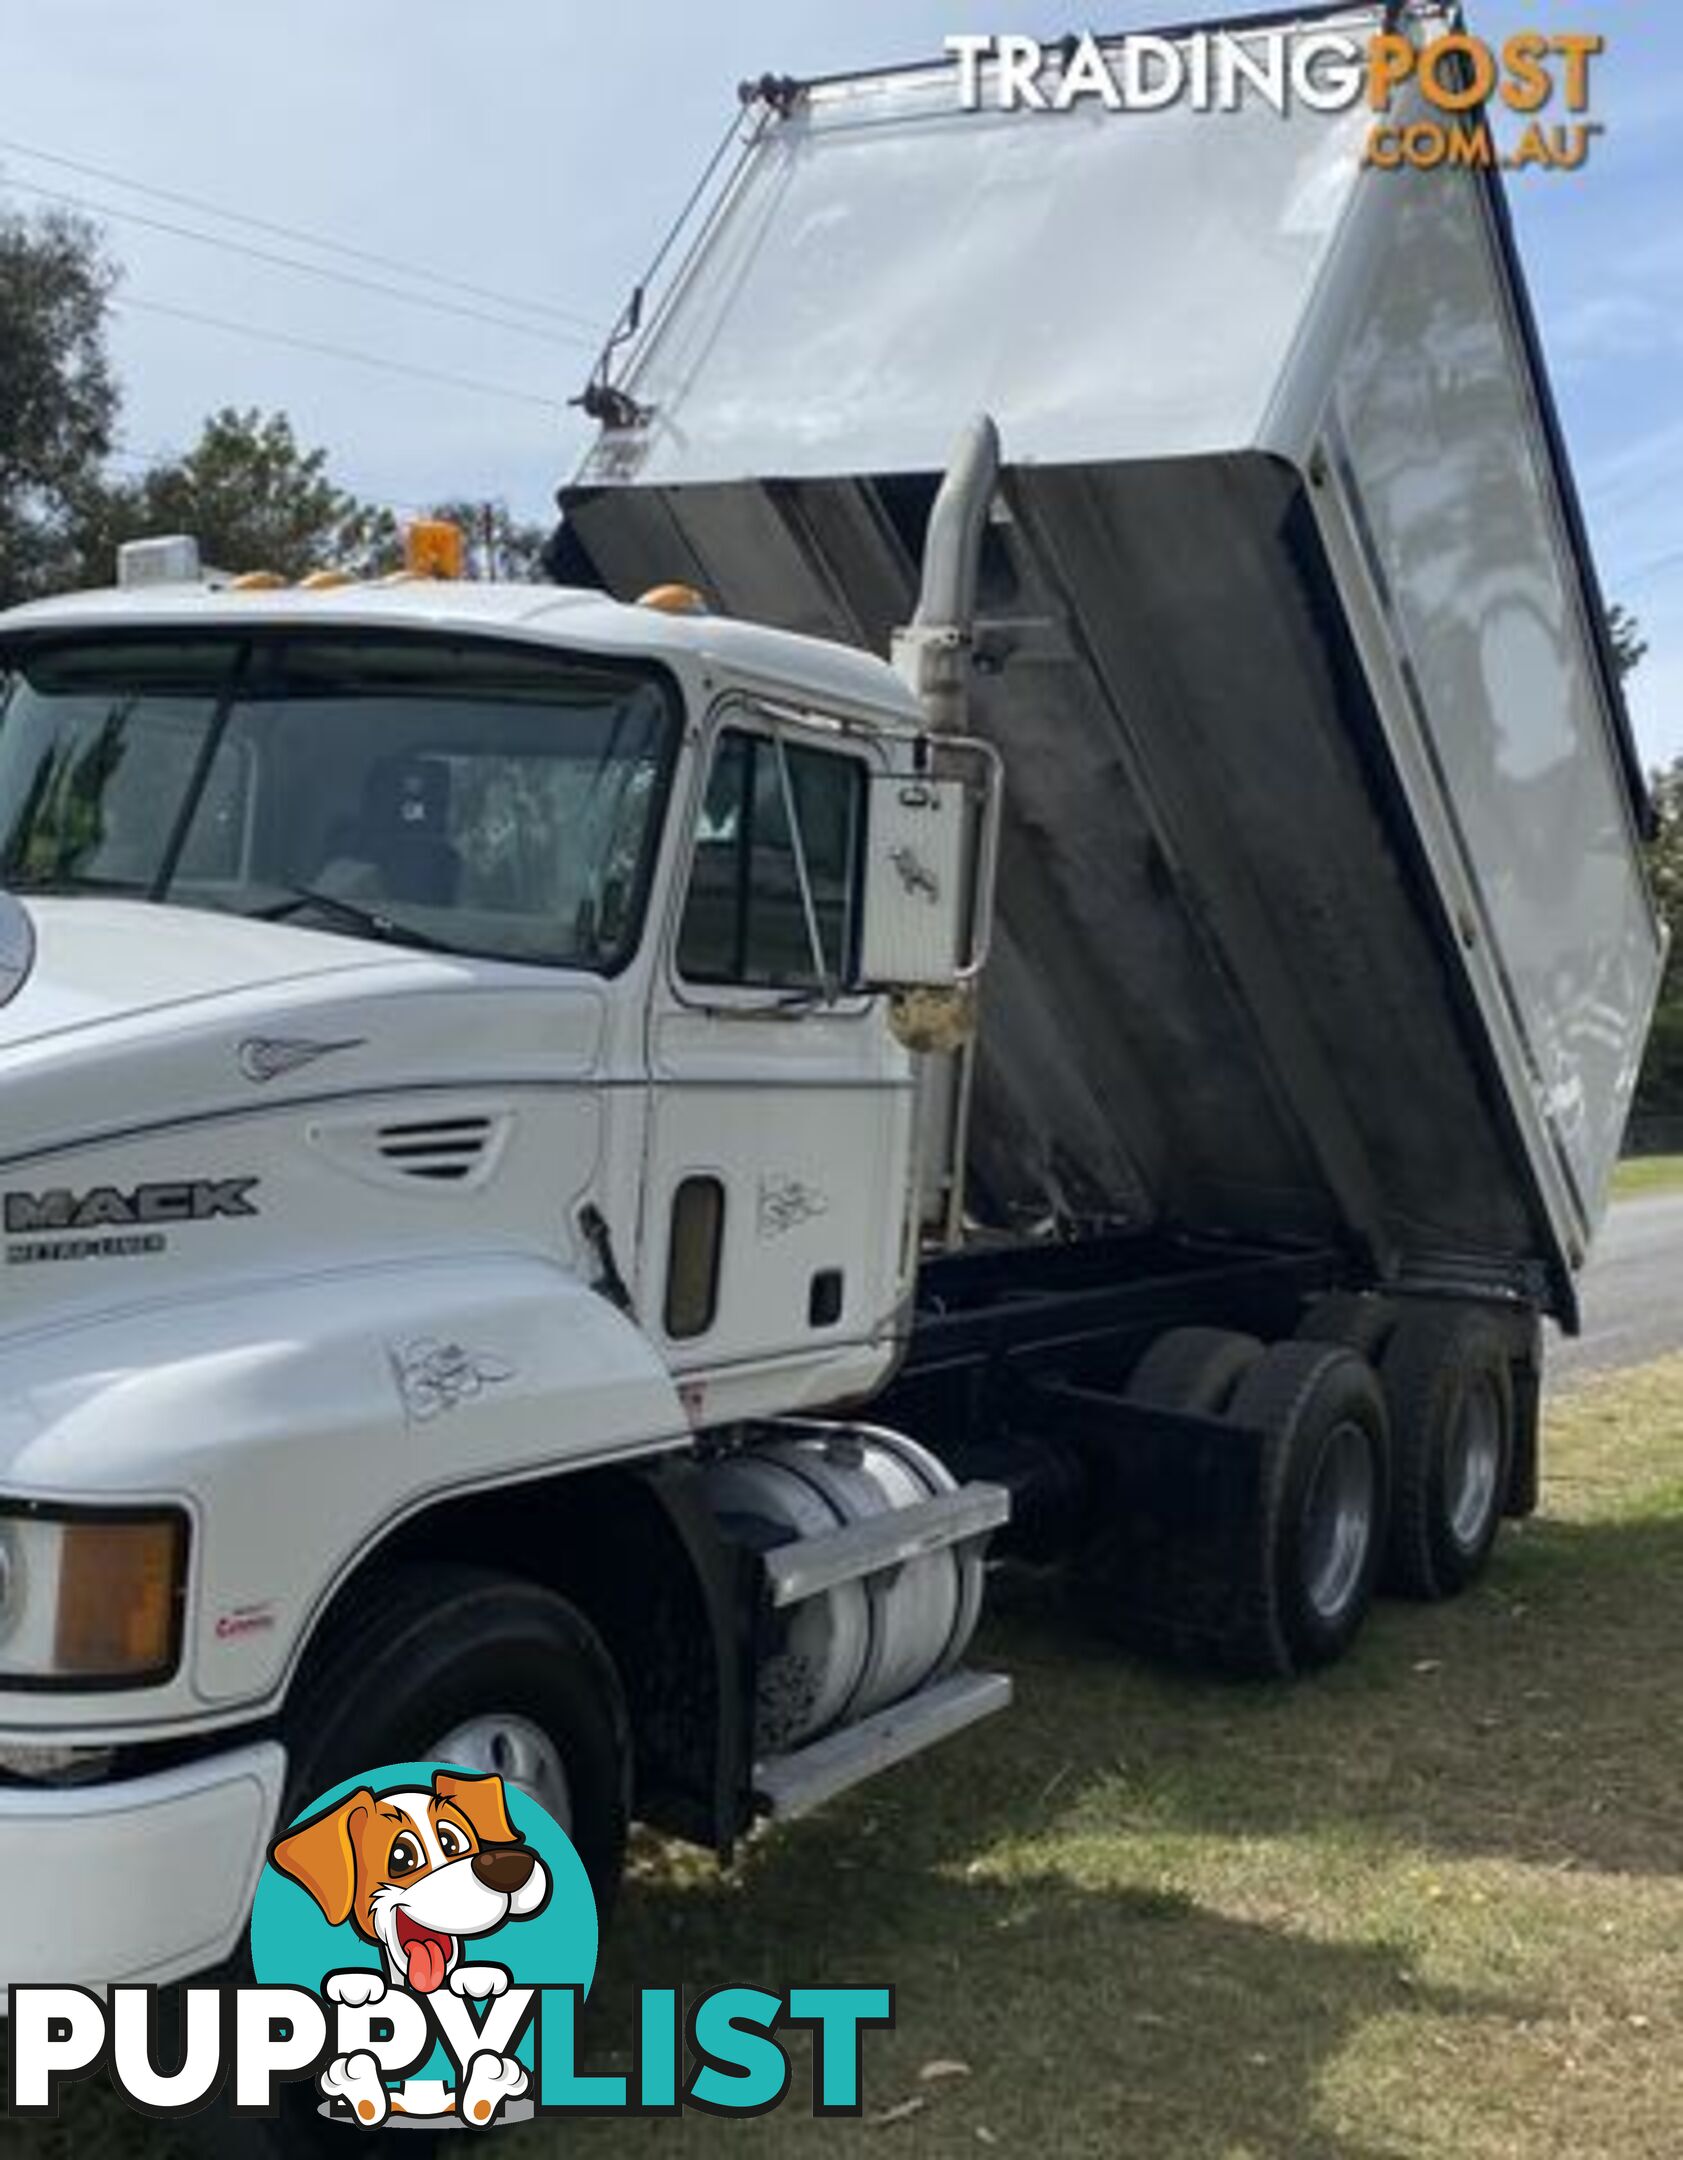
(445,1150)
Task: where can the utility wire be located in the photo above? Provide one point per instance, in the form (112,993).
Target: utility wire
(1653,567)
(297,232)
(151,461)
(129,301)
(306,269)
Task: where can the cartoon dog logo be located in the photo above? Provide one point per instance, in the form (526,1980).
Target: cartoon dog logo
(419,1874)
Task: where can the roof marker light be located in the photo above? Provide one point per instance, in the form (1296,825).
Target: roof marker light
(173,559)
(673,600)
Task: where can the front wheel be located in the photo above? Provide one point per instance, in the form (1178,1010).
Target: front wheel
(487,1672)
(450,1665)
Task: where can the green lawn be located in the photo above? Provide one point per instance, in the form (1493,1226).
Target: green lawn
(1427,1905)
(1648,1174)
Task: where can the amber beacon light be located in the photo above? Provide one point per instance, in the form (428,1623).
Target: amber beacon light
(434,548)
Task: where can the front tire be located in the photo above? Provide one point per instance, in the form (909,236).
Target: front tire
(459,1655)
(487,1666)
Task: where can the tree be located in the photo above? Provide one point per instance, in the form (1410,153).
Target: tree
(1659,1093)
(1659,1090)
(255,500)
(252,497)
(58,399)
(1624,633)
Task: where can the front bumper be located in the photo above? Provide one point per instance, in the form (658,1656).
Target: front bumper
(149,1880)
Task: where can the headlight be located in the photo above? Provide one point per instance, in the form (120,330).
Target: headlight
(90,1600)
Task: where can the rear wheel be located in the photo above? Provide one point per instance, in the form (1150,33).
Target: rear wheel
(1194,1369)
(1352,1319)
(1312,1553)
(1285,1585)
(1449,1384)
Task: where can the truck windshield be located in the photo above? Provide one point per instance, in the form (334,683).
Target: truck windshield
(469,798)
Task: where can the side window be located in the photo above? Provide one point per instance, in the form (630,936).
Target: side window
(750,915)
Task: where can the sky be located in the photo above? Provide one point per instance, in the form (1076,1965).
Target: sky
(530,154)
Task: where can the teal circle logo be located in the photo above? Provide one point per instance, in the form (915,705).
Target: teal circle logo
(438,1883)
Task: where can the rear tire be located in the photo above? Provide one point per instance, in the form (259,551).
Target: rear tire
(1317,1536)
(1449,1384)
(1195,1369)
(1352,1319)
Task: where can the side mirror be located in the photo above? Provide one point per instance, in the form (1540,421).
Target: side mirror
(929,870)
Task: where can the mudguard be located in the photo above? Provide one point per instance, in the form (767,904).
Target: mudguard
(320,1412)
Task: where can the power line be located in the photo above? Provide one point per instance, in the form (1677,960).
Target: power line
(300,233)
(338,352)
(306,269)
(149,461)
(1652,568)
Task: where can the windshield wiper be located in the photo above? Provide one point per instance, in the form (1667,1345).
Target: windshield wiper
(366,919)
(60,882)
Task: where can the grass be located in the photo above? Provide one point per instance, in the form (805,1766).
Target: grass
(1426,1905)
(1648,1174)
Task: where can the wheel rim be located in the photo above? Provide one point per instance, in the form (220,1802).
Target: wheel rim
(1338,1521)
(503,1744)
(1474,1465)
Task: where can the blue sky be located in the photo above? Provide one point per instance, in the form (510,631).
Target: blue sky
(537,149)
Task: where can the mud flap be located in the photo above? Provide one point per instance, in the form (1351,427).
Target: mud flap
(1176,1500)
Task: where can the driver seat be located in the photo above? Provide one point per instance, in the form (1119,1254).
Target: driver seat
(402,831)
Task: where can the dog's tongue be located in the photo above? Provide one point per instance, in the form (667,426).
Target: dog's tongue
(427,1960)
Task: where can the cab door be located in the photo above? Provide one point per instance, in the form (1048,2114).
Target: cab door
(777,1168)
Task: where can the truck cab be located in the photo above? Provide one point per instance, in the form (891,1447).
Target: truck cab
(439,1057)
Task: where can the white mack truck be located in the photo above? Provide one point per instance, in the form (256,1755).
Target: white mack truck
(573,1167)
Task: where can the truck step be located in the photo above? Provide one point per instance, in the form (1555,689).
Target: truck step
(788,1785)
